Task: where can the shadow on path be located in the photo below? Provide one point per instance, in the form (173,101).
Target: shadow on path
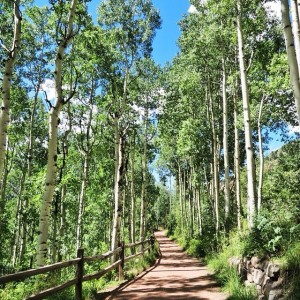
(175,275)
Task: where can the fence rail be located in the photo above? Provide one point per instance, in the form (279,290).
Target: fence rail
(79,263)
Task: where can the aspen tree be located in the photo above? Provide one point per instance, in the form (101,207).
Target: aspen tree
(54,114)
(251,181)
(9,62)
(144,178)
(225,143)
(291,52)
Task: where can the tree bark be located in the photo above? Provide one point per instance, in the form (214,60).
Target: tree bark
(296,29)
(199,212)
(117,187)
(225,146)
(144,179)
(18,225)
(132,193)
(52,144)
(6,86)
(81,203)
(215,167)
(251,182)
(86,151)
(180,199)
(261,155)
(291,53)
(62,227)
(237,171)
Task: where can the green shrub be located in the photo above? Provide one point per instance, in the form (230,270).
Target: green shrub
(272,235)
(292,258)
(227,276)
(196,248)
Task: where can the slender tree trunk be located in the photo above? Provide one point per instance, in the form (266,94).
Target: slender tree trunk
(170,194)
(190,198)
(52,144)
(6,85)
(184,199)
(199,212)
(117,187)
(3,185)
(144,179)
(62,227)
(119,155)
(251,182)
(181,199)
(296,29)
(18,225)
(79,234)
(225,146)
(210,190)
(291,53)
(84,181)
(237,162)
(29,172)
(261,155)
(49,189)
(55,211)
(132,193)
(215,167)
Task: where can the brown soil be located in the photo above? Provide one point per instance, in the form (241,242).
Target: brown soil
(174,276)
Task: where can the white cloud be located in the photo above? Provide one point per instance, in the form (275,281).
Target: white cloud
(192,9)
(274,8)
(294,129)
(48,86)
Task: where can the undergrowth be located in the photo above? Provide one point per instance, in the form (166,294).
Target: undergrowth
(217,253)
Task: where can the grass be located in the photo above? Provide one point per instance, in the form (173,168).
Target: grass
(291,264)
(229,279)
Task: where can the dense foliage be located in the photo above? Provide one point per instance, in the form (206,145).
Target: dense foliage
(86,114)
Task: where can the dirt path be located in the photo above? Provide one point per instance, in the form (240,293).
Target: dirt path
(174,276)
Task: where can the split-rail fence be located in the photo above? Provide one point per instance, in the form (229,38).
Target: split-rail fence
(78,262)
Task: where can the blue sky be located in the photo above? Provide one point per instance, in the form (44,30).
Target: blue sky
(171,11)
(164,47)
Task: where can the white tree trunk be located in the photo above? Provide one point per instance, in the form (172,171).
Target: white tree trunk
(52,144)
(251,182)
(261,155)
(117,187)
(199,212)
(215,157)
(62,227)
(237,163)
(81,202)
(6,85)
(18,225)
(132,194)
(191,198)
(291,53)
(86,153)
(296,29)
(49,188)
(181,199)
(225,146)
(144,180)
(119,152)
(29,170)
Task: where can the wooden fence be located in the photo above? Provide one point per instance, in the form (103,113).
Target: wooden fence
(119,253)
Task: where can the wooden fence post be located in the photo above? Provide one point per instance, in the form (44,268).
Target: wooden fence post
(122,257)
(151,240)
(79,275)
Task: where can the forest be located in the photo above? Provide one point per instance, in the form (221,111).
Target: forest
(89,121)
